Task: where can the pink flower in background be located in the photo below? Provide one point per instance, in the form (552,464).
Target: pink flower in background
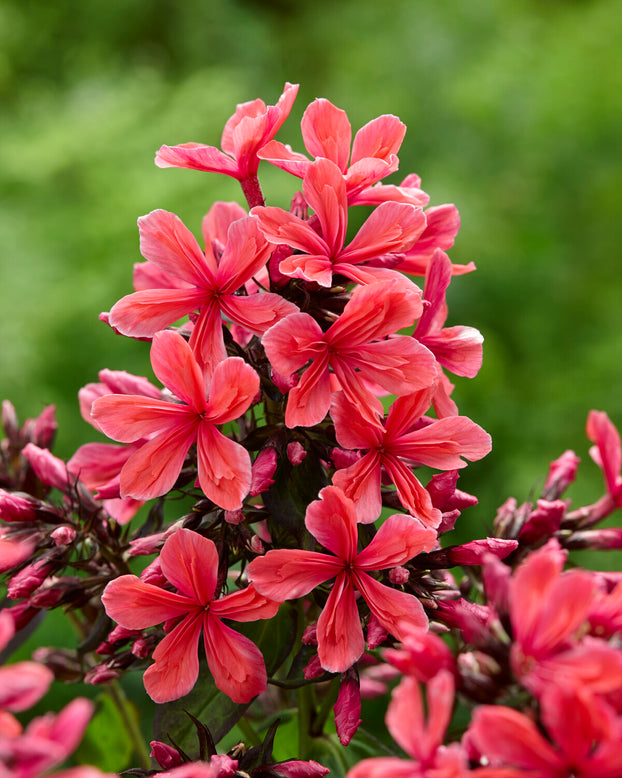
(391,227)
(190,563)
(170,428)
(327,134)
(354,349)
(285,574)
(406,438)
(420,731)
(211,282)
(249,129)
(585,732)
(607,453)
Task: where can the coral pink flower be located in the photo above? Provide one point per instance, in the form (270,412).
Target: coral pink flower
(190,563)
(421,740)
(607,453)
(287,574)
(172,427)
(252,125)
(354,348)
(585,731)
(407,438)
(391,227)
(549,611)
(211,282)
(327,134)
(22,684)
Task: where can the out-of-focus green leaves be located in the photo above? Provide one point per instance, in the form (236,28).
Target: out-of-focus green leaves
(107,742)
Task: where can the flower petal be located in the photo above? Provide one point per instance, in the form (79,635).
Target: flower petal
(190,562)
(176,666)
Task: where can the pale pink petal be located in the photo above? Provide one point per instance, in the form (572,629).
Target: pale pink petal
(190,562)
(176,661)
(216,222)
(175,366)
(128,418)
(292,342)
(399,539)
(233,386)
(153,468)
(224,467)
(246,252)
(325,192)
(22,685)
(280,226)
(234,661)
(459,349)
(286,574)
(394,609)
(443,223)
(168,243)
(381,137)
(406,718)
(327,133)
(244,605)
(361,483)
(391,227)
(380,193)
(383,766)
(283,157)
(375,311)
(332,522)
(196,156)
(339,633)
(506,736)
(136,605)
(351,429)
(608,451)
(406,411)
(442,443)
(308,402)
(400,365)
(257,312)
(311,267)
(141,314)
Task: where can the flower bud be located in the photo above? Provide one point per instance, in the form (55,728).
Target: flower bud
(295,452)
(562,472)
(166,756)
(101,674)
(44,427)
(347,708)
(542,522)
(399,576)
(263,470)
(24,583)
(49,469)
(64,535)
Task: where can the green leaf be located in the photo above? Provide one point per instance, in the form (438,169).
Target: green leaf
(290,494)
(106,742)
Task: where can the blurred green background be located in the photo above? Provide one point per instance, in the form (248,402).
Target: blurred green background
(514,110)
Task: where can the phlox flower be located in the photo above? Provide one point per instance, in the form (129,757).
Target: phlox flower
(355,348)
(190,563)
(327,134)
(285,574)
(249,129)
(168,429)
(584,731)
(391,227)
(458,348)
(549,611)
(421,739)
(406,438)
(234,252)
(607,451)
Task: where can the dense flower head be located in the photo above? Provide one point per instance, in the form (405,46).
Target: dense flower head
(303,388)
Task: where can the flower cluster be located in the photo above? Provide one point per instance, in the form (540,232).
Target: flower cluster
(303,359)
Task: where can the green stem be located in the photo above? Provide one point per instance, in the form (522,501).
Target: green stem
(117,695)
(249,733)
(325,708)
(305,701)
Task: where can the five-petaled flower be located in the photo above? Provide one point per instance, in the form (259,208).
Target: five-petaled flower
(285,574)
(190,563)
(170,428)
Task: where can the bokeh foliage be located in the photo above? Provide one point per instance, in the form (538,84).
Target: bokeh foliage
(513,107)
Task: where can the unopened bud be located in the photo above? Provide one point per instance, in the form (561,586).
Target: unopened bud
(101,674)
(24,583)
(44,427)
(399,576)
(314,668)
(141,648)
(234,517)
(296,452)
(562,472)
(284,382)
(606,538)
(63,536)
(543,522)
(152,574)
(166,756)
(257,546)
(347,708)
(49,469)
(263,470)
